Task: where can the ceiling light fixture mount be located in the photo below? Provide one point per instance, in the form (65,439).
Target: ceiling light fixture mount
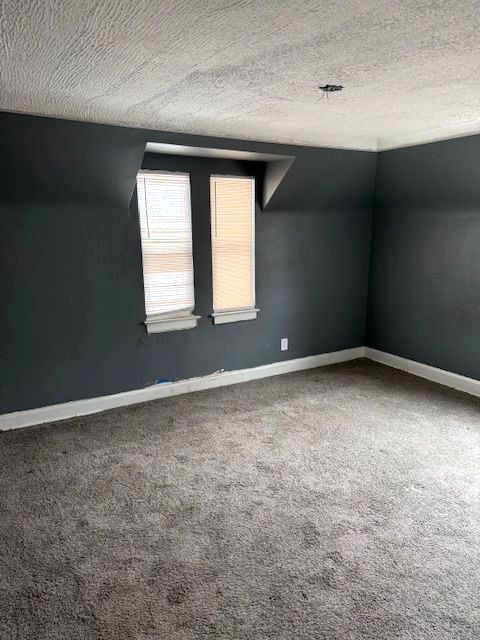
(330,88)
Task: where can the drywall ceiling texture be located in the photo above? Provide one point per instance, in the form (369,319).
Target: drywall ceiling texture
(249,69)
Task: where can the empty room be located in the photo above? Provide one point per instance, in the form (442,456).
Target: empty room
(239,320)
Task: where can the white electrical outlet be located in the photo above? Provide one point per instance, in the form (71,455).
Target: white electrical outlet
(284,344)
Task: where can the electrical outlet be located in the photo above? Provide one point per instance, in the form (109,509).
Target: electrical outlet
(284,344)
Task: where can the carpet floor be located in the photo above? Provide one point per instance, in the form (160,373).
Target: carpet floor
(341,503)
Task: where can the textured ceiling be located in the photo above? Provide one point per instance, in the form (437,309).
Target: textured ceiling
(249,68)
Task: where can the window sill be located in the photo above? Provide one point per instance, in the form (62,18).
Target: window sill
(234,316)
(161,325)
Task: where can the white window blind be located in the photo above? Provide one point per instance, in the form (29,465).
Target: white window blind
(233,252)
(166,231)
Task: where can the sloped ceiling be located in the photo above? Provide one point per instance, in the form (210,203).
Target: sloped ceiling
(249,69)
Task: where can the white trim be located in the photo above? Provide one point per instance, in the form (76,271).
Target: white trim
(51,413)
(160,325)
(66,410)
(222,317)
(446,378)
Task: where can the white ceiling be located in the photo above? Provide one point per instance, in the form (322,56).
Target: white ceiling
(249,68)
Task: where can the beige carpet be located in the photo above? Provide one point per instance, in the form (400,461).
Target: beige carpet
(341,503)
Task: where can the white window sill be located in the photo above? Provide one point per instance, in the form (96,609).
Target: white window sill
(161,325)
(234,316)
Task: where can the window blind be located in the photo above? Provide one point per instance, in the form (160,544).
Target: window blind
(166,232)
(233,253)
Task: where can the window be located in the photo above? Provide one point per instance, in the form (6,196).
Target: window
(232,202)
(166,232)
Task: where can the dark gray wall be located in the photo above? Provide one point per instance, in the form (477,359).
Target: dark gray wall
(424,293)
(72,308)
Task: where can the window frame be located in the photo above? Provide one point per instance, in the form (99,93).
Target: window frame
(225,316)
(177,319)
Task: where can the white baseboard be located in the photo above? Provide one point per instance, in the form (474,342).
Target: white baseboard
(27,418)
(447,378)
(19,419)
